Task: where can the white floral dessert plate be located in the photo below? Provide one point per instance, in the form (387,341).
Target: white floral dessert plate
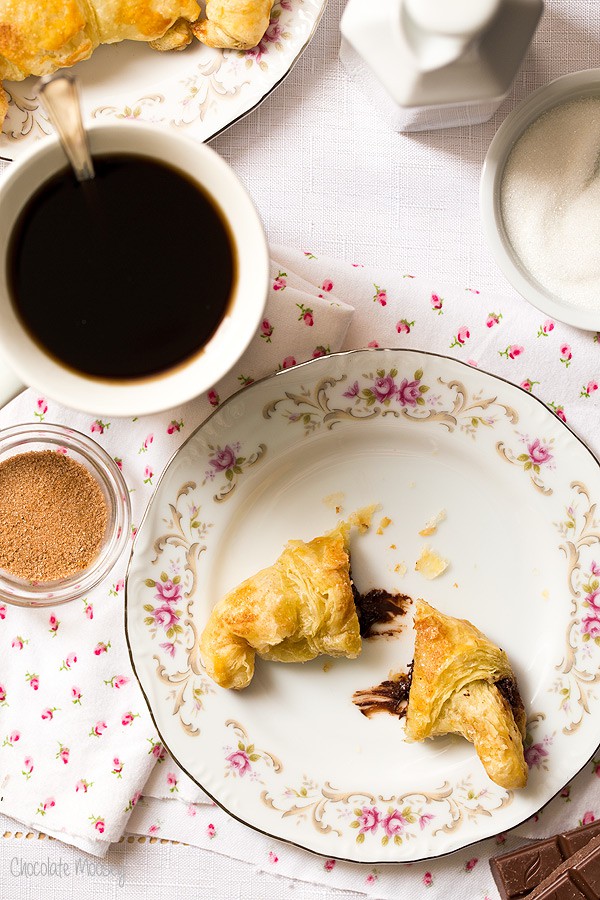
(291,755)
(199,89)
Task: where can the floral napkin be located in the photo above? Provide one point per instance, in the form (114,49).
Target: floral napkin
(76,740)
(505,336)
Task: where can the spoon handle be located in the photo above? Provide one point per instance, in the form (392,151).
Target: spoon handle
(61,100)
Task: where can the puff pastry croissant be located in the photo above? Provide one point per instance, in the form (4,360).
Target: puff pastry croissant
(238,24)
(39,38)
(292,611)
(463,683)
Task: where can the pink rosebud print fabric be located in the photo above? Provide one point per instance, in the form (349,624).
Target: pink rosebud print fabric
(503,335)
(61,721)
(77,743)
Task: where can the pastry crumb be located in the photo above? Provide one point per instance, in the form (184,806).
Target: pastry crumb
(455,584)
(327,666)
(385,523)
(393,547)
(363,517)
(431,526)
(400,569)
(335,501)
(430,564)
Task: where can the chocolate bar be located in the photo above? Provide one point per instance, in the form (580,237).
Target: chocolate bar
(520,872)
(578,878)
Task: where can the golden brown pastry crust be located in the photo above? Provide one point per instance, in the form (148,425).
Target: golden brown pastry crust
(235,24)
(3,104)
(177,37)
(292,611)
(462,683)
(39,38)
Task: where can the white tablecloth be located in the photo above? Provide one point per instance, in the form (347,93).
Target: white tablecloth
(328,175)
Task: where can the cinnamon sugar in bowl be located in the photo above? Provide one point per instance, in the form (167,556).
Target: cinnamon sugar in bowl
(64,514)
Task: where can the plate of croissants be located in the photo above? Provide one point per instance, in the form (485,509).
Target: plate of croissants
(178,63)
(364,605)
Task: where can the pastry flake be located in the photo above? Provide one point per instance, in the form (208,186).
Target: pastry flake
(431,526)
(335,501)
(298,608)
(430,564)
(385,523)
(363,517)
(462,683)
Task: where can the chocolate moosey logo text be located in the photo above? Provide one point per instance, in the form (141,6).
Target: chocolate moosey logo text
(60,868)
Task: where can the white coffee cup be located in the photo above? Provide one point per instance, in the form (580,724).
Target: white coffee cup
(26,363)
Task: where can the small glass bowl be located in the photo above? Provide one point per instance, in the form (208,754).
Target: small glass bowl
(30,438)
(568,87)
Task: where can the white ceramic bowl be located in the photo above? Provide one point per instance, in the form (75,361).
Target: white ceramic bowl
(568,87)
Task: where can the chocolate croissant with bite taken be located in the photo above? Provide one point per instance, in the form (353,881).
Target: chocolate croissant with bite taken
(462,683)
(292,611)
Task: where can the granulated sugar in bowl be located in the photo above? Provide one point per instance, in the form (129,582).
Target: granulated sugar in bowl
(540,198)
(64,514)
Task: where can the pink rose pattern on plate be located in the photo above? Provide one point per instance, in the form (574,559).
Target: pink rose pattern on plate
(227,463)
(388,387)
(388,823)
(272,40)
(163,613)
(244,760)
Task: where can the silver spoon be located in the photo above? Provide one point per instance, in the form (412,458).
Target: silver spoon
(61,100)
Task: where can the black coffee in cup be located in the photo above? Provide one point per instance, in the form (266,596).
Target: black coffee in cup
(125,276)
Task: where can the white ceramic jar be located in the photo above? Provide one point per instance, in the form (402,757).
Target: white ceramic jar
(429,64)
